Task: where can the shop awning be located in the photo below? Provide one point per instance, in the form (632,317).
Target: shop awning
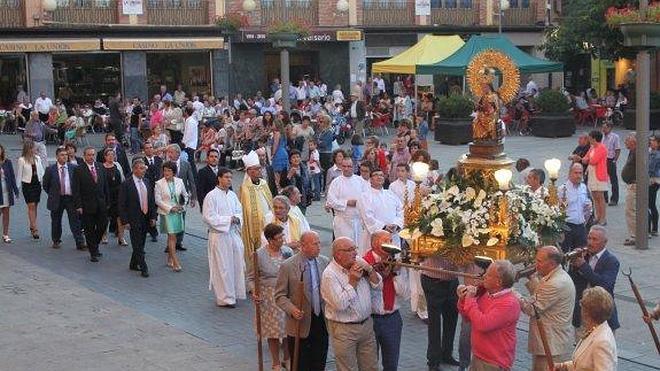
(49,45)
(195,43)
(430,49)
(458,62)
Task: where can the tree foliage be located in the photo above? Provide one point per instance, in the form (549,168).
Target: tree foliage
(583,30)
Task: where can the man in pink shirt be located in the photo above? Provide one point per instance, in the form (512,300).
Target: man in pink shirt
(493,312)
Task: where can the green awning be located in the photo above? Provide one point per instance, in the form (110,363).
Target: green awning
(458,62)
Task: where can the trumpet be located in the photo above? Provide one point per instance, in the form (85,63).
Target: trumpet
(568,257)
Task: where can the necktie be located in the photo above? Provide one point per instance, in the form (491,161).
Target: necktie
(62,181)
(142,190)
(94,175)
(313,284)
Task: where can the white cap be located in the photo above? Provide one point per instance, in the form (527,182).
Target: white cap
(251,159)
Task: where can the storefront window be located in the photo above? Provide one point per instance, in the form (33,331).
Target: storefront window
(12,76)
(191,70)
(83,78)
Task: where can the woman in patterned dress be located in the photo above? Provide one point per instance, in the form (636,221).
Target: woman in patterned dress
(270,258)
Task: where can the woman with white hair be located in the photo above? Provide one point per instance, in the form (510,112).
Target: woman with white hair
(293,227)
(597,348)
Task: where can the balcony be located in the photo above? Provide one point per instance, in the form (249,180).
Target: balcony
(178,12)
(460,16)
(86,11)
(522,15)
(384,13)
(11,14)
(275,11)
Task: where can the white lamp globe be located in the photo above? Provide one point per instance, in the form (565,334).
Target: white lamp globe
(503,178)
(249,5)
(49,5)
(552,166)
(420,170)
(504,4)
(342,6)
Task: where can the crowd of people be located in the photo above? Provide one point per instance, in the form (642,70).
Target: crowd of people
(260,244)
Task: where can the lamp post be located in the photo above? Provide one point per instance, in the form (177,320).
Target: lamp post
(419,172)
(501,229)
(552,166)
(642,106)
(504,5)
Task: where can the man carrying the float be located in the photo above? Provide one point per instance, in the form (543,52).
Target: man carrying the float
(343,196)
(257,202)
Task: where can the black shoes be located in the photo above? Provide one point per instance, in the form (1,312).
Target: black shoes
(144,273)
(450,361)
(56,245)
(181,248)
(94,259)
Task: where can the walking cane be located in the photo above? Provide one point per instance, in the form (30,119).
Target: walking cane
(544,339)
(257,309)
(296,344)
(643,307)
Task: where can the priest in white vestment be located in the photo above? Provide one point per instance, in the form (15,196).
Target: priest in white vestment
(380,209)
(342,198)
(223,213)
(282,216)
(404,188)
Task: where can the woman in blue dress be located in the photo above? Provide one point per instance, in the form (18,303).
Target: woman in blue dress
(280,161)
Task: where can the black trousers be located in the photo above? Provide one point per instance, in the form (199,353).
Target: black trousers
(117,128)
(653,208)
(179,236)
(575,237)
(94,224)
(191,160)
(441,300)
(66,203)
(614,180)
(138,235)
(313,348)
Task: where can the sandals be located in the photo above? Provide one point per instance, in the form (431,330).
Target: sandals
(6,239)
(35,233)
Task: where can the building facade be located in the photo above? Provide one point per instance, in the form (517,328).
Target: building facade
(88,49)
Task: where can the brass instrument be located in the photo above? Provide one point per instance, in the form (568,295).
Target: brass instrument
(568,257)
(393,250)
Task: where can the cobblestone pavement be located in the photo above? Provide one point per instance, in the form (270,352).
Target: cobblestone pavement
(61,312)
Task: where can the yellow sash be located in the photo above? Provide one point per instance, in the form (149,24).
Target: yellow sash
(253,216)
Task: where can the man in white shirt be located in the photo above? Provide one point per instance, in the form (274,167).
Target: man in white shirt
(343,194)
(577,204)
(223,213)
(385,304)
(42,105)
(535,180)
(380,209)
(301,91)
(380,83)
(531,88)
(191,137)
(347,295)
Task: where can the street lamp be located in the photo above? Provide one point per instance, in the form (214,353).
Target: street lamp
(504,5)
(342,6)
(49,5)
(552,166)
(503,178)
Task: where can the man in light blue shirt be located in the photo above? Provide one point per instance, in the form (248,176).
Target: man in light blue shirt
(573,195)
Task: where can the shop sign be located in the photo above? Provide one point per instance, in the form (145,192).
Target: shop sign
(349,35)
(43,45)
(315,36)
(163,44)
(422,7)
(131,7)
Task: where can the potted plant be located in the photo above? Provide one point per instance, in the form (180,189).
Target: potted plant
(455,123)
(285,34)
(639,30)
(231,23)
(553,118)
(630,114)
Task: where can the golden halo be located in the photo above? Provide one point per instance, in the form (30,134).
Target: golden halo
(482,68)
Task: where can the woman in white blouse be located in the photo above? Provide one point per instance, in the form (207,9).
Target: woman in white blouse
(171,198)
(597,348)
(30,171)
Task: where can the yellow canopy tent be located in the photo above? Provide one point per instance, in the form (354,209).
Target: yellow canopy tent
(429,50)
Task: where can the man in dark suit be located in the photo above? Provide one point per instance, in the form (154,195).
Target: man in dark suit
(598,268)
(309,315)
(207,177)
(57,182)
(120,154)
(137,209)
(153,174)
(184,171)
(90,197)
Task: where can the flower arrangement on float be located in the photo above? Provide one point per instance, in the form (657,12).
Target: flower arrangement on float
(466,214)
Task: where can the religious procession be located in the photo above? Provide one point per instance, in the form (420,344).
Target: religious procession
(431,214)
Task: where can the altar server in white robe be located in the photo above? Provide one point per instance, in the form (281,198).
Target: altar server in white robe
(404,188)
(343,195)
(380,209)
(223,213)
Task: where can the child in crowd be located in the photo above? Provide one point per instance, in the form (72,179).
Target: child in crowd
(315,169)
